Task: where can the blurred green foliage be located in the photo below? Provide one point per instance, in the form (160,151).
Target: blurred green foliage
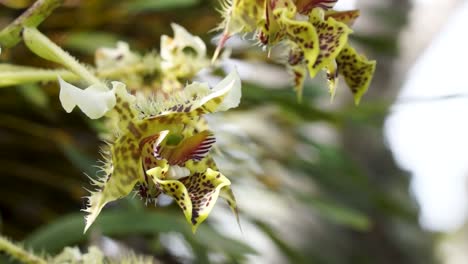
(365,212)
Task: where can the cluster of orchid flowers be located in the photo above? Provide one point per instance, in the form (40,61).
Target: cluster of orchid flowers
(159,142)
(315,34)
(162,142)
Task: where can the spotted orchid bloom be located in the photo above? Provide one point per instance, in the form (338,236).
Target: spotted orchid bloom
(317,37)
(160,147)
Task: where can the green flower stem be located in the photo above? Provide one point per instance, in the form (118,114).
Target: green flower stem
(24,75)
(19,253)
(32,17)
(45,48)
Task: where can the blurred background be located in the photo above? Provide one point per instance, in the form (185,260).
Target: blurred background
(316,182)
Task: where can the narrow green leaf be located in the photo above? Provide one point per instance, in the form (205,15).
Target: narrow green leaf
(34,95)
(68,231)
(340,215)
(79,41)
(11,75)
(160,5)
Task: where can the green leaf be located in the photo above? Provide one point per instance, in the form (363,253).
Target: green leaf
(79,159)
(68,231)
(80,41)
(34,95)
(32,17)
(160,5)
(339,214)
(17,4)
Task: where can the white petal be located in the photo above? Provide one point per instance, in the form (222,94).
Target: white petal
(183,38)
(231,85)
(166,47)
(95,101)
(176,172)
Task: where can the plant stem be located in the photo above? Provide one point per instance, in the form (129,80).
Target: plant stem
(45,48)
(19,253)
(10,78)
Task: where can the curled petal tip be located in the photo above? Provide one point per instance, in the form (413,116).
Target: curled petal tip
(95,101)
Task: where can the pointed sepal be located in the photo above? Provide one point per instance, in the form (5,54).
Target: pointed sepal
(357,71)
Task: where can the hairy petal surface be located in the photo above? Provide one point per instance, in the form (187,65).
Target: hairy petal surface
(126,173)
(154,149)
(239,16)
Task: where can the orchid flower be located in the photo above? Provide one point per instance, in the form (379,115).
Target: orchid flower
(162,147)
(317,37)
(184,55)
(120,56)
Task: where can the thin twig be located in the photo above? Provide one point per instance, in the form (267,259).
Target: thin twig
(19,253)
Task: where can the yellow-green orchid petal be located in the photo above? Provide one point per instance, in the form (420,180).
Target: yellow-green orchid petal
(124,111)
(271,30)
(95,101)
(332,79)
(195,194)
(299,74)
(239,16)
(144,142)
(178,191)
(197,99)
(357,71)
(302,33)
(184,55)
(150,158)
(305,6)
(332,35)
(348,17)
(126,173)
(227,194)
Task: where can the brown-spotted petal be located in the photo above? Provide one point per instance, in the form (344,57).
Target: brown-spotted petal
(332,35)
(204,189)
(302,34)
(299,75)
(332,78)
(126,172)
(348,17)
(357,71)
